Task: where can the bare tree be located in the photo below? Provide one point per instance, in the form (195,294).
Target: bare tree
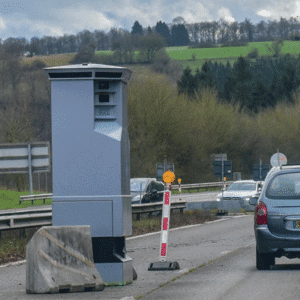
(150,44)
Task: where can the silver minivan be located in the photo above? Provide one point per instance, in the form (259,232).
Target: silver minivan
(277,216)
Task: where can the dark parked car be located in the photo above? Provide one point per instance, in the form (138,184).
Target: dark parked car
(146,190)
(277,216)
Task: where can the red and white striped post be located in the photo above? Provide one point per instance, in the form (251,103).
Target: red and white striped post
(163,264)
(165,224)
(179,188)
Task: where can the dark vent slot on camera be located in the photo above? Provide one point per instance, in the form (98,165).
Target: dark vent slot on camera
(108,75)
(103,98)
(71,75)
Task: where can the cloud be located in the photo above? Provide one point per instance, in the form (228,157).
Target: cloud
(59,17)
(19,25)
(226,15)
(150,12)
(191,11)
(2,24)
(82,17)
(281,8)
(147,13)
(264,13)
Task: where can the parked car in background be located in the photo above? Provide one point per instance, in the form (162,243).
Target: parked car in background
(241,190)
(146,190)
(277,217)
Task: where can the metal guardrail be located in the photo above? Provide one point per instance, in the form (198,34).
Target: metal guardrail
(42,215)
(193,186)
(138,209)
(25,217)
(198,186)
(35,197)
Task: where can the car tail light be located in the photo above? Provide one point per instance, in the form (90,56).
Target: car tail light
(261,215)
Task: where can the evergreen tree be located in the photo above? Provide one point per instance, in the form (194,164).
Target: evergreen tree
(186,85)
(204,79)
(137,29)
(163,29)
(180,36)
(238,87)
(149,30)
(241,69)
(276,90)
(290,82)
(260,98)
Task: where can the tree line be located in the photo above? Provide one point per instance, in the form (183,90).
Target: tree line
(178,33)
(250,85)
(161,122)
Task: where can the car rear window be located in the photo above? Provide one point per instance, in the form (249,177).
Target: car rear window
(137,185)
(242,186)
(284,186)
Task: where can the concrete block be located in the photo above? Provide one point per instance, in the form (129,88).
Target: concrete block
(60,259)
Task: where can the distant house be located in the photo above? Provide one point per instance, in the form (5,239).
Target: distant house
(27,54)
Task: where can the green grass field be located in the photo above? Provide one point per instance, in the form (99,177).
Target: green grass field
(184,53)
(194,58)
(10,199)
(224,54)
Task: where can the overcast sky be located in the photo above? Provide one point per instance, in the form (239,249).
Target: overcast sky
(28,18)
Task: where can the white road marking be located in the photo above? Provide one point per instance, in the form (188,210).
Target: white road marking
(20,262)
(184,227)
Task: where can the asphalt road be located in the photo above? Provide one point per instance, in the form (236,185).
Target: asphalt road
(234,277)
(191,247)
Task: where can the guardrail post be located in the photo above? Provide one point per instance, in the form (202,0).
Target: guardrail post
(30,169)
(179,188)
(22,232)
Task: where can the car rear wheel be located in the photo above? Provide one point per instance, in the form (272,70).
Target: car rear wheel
(264,260)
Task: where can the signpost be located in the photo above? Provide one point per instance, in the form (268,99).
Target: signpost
(260,171)
(25,158)
(161,168)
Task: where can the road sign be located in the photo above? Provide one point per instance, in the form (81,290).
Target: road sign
(278,159)
(260,172)
(219,157)
(25,158)
(18,158)
(222,168)
(168,177)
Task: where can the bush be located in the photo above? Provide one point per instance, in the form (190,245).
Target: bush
(108,59)
(38,64)
(85,55)
(295,37)
(163,64)
(254,53)
(203,45)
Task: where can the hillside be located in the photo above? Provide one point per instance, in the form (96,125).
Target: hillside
(195,57)
(192,57)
